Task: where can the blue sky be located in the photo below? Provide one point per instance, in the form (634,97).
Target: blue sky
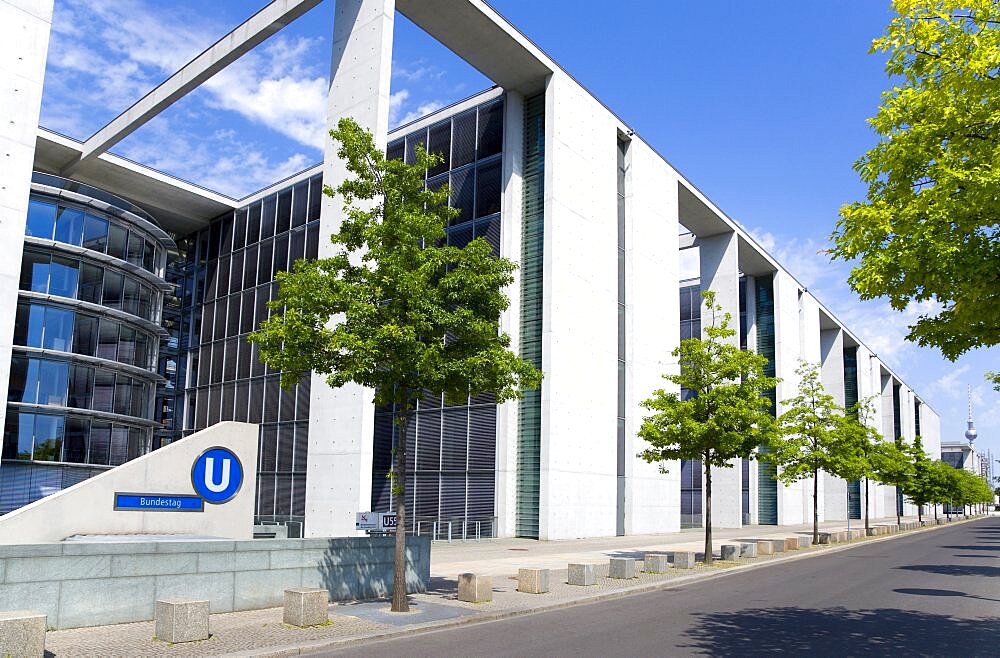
(761,105)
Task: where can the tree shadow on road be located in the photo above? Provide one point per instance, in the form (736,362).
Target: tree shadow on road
(954,569)
(841,632)
(974,548)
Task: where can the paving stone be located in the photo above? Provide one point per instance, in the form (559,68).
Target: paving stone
(22,633)
(533,581)
(621,567)
(581,574)
(475,589)
(306,606)
(656,563)
(181,620)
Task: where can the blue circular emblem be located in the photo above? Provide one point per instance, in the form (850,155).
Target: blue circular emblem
(217,475)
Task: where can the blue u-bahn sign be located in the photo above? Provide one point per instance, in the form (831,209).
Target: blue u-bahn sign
(216,476)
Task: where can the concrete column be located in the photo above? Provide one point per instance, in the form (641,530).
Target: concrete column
(788,346)
(719,263)
(510,235)
(832,360)
(341,421)
(24,26)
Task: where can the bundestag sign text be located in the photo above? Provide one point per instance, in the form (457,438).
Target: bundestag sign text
(216,476)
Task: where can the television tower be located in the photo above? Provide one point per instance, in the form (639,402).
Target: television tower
(971,432)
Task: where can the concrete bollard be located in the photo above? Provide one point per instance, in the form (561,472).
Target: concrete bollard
(22,633)
(791,543)
(805,541)
(581,574)
(684,560)
(656,563)
(779,545)
(306,606)
(871,532)
(765,547)
(474,589)
(181,620)
(730,552)
(748,549)
(857,534)
(533,581)
(621,567)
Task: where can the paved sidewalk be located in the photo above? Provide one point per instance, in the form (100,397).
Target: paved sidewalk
(262,633)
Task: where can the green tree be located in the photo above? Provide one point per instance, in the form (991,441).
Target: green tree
(928,230)
(812,434)
(395,309)
(859,447)
(919,488)
(892,465)
(727,416)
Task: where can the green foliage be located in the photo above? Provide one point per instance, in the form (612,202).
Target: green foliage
(727,417)
(396,292)
(918,489)
(812,430)
(859,442)
(728,414)
(394,308)
(928,230)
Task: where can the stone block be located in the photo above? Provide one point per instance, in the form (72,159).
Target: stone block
(475,589)
(791,543)
(181,620)
(253,590)
(153,565)
(75,567)
(581,574)
(805,541)
(213,562)
(533,581)
(22,633)
(748,549)
(765,547)
(621,567)
(216,587)
(730,551)
(106,601)
(779,545)
(857,533)
(684,560)
(871,532)
(306,606)
(41,597)
(656,563)
(824,537)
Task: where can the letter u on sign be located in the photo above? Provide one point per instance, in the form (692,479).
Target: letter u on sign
(217,475)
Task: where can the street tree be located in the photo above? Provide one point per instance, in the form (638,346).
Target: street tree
(928,230)
(395,308)
(811,438)
(728,414)
(892,465)
(919,489)
(860,443)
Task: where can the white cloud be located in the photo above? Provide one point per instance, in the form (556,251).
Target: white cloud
(421,110)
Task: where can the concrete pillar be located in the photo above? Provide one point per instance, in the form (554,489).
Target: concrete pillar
(719,262)
(788,348)
(341,422)
(831,343)
(24,26)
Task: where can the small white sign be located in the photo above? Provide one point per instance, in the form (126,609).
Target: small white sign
(367,521)
(387,521)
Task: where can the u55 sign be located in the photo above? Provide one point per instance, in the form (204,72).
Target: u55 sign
(375,521)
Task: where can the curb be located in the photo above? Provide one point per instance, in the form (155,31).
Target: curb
(430,627)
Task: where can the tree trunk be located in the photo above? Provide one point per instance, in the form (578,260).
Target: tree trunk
(920,514)
(708,512)
(866,507)
(935,512)
(816,507)
(898,507)
(399,601)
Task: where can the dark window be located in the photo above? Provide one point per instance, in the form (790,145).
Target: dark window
(463,144)
(267,217)
(315,197)
(253,224)
(312,241)
(130,296)
(281,253)
(100,443)
(107,344)
(113,284)
(117,241)
(264,266)
(395,150)
(95,233)
(34,272)
(439,144)
(284,211)
(299,203)
(135,246)
(412,142)
(226,235)
(240,230)
(490,130)
(296,247)
(81,387)
(463,194)
(58,329)
(236,272)
(250,268)
(91,283)
(488,189)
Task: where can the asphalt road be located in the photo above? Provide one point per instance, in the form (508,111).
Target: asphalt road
(934,594)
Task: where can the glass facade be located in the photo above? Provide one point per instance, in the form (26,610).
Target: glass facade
(851,399)
(86,339)
(767,484)
(224,278)
(451,443)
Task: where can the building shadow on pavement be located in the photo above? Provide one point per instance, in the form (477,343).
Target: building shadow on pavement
(840,632)
(954,569)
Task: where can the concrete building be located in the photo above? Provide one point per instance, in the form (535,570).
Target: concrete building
(596,218)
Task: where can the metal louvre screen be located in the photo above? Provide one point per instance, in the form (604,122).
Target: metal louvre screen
(767,485)
(529,430)
(851,399)
(451,448)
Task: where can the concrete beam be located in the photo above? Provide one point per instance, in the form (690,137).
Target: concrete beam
(216,57)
